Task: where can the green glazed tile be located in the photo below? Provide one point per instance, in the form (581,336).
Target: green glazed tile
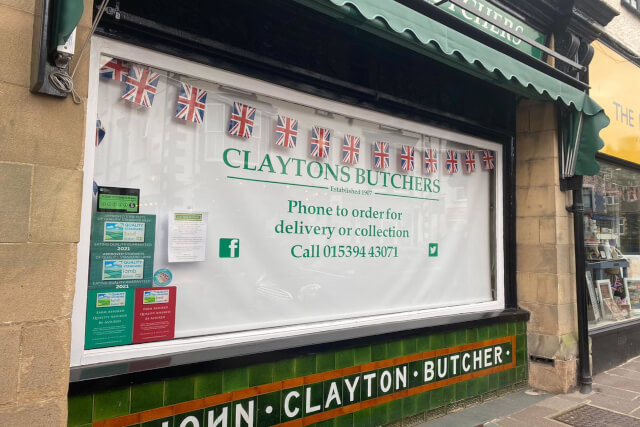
(511,328)
(198,415)
(260,374)
(409,346)
(520,373)
(436,398)
(394,349)
(344,421)
(483,333)
(379,414)
(235,379)
(296,404)
(394,411)
(461,337)
(494,381)
(378,352)
(520,328)
(410,406)
(423,344)
(208,384)
(177,390)
(327,423)
(221,412)
(461,390)
(268,412)
(448,394)
(362,355)
(246,405)
(111,403)
(159,422)
(316,395)
(345,358)
(147,396)
(416,373)
(436,341)
(305,365)
(484,384)
(473,387)
(502,329)
(362,418)
(383,379)
(284,369)
(450,339)
(472,335)
(355,384)
(325,361)
(494,331)
(335,390)
(423,401)
(80,410)
(369,384)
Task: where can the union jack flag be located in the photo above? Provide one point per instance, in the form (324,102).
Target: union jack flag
(351,149)
(242,120)
(430,161)
(320,141)
(469,161)
(140,86)
(381,154)
(488,160)
(406,158)
(116,69)
(191,103)
(100,132)
(451,162)
(286,132)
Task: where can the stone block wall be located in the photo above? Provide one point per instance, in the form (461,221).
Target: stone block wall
(546,267)
(41,157)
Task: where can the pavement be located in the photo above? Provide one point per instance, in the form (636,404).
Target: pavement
(613,401)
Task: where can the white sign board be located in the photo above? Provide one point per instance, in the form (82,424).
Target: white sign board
(292,238)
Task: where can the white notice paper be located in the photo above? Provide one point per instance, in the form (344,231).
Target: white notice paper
(187,236)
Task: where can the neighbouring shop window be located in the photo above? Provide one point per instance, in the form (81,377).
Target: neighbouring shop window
(612,237)
(219,210)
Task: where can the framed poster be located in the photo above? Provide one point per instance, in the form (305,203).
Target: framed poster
(632,290)
(592,297)
(609,307)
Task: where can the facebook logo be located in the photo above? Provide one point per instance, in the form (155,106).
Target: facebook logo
(229,248)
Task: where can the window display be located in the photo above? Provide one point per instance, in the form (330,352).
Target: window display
(612,235)
(219,210)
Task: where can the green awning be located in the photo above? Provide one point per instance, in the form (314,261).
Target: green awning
(422,34)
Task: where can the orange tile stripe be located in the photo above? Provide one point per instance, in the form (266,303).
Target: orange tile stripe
(193,405)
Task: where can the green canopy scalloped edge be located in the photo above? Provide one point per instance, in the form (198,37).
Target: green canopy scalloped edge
(438,41)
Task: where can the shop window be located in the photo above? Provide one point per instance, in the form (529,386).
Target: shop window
(221,209)
(632,4)
(612,243)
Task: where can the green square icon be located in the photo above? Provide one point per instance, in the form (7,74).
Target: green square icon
(229,248)
(433,249)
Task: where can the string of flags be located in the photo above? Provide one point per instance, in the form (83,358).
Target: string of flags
(615,191)
(141,83)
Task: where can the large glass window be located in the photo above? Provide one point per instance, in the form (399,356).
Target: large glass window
(612,242)
(226,209)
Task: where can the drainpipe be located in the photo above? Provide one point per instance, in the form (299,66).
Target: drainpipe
(584,367)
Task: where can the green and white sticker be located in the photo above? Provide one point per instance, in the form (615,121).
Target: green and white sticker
(123,269)
(124,231)
(111,299)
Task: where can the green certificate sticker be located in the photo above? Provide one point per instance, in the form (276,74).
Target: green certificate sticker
(109,318)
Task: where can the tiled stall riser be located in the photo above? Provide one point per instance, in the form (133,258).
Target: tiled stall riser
(369,385)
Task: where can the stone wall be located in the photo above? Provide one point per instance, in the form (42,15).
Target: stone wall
(625,27)
(41,150)
(546,268)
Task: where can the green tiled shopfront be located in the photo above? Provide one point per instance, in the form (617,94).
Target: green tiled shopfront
(242,390)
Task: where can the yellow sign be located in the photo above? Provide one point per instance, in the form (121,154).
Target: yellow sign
(615,86)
